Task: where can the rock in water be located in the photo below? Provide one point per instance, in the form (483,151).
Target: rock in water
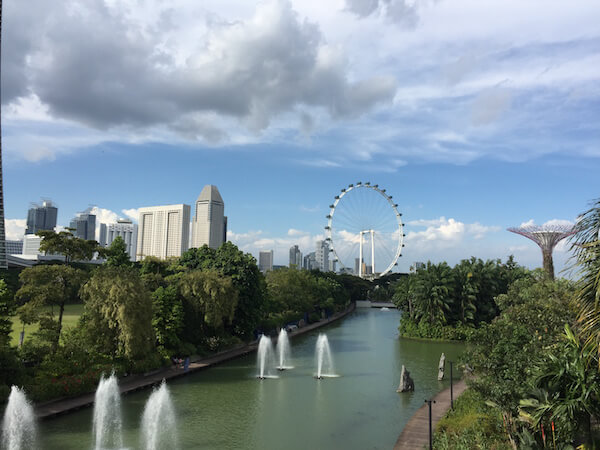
(406,382)
(441,367)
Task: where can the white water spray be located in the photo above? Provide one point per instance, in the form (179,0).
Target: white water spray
(324,360)
(283,350)
(107,428)
(265,358)
(159,427)
(18,425)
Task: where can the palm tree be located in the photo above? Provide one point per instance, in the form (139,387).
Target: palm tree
(432,292)
(585,244)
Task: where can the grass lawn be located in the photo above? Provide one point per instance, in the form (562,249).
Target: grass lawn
(70,318)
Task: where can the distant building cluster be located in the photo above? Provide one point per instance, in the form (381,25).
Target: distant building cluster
(317,260)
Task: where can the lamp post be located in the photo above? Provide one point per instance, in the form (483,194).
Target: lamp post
(451,387)
(429,402)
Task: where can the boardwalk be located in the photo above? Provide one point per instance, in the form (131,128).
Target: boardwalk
(416,432)
(138,382)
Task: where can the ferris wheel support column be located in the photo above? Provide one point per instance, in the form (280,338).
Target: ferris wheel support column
(372,252)
(360,254)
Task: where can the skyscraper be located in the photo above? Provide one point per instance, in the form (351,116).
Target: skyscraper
(295,257)
(124,228)
(84,225)
(208,227)
(41,217)
(322,256)
(163,231)
(310,262)
(265,261)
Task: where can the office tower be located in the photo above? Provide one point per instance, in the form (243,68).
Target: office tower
(124,228)
(163,231)
(265,261)
(332,265)
(322,256)
(84,225)
(41,217)
(357,266)
(209,222)
(310,261)
(14,247)
(295,257)
(31,245)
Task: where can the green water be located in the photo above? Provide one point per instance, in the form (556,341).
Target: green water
(226,407)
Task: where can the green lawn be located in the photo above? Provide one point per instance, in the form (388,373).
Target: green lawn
(70,318)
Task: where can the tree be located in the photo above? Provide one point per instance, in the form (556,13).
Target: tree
(116,254)
(64,243)
(211,295)
(432,292)
(246,278)
(48,285)
(585,244)
(168,317)
(7,309)
(118,313)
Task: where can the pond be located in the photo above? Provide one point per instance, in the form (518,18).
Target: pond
(227,407)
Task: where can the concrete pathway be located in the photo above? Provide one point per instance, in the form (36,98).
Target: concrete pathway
(416,432)
(137,382)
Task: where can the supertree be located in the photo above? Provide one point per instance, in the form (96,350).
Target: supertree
(546,236)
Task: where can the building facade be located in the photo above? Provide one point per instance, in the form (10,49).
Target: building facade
(295,257)
(322,256)
(84,225)
(208,227)
(124,228)
(310,261)
(163,231)
(14,247)
(41,217)
(31,245)
(265,261)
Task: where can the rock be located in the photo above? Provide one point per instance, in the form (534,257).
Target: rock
(406,382)
(442,367)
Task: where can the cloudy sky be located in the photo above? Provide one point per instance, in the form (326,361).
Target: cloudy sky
(474,115)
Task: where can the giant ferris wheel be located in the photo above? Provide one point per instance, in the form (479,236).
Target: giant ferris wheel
(365,231)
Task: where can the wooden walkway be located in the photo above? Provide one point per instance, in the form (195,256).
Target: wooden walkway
(416,432)
(137,382)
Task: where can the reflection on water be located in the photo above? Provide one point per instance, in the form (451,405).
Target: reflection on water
(226,407)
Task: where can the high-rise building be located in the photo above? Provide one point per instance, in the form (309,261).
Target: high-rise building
(14,247)
(163,231)
(295,257)
(332,265)
(31,245)
(124,228)
(265,261)
(84,225)
(41,217)
(322,256)
(310,261)
(208,227)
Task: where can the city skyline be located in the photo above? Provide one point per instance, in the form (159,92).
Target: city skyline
(472,131)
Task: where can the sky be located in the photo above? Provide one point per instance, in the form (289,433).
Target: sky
(476,116)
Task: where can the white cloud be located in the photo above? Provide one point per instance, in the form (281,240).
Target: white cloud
(132,213)
(15,229)
(446,232)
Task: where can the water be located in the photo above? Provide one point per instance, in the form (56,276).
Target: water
(264,358)
(226,408)
(324,360)
(159,428)
(283,351)
(18,425)
(107,422)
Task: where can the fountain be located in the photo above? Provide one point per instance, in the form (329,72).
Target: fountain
(265,357)
(18,425)
(324,360)
(283,350)
(159,428)
(107,428)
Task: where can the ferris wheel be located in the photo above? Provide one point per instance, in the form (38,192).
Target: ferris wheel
(365,231)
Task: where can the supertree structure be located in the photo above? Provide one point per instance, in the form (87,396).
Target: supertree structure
(546,236)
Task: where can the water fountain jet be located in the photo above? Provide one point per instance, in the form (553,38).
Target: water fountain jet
(324,360)
(265,358)
(107,425)
(283,350)
(18,425)
(159,427)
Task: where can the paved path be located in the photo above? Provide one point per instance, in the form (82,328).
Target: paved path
(138,382)
(416,432)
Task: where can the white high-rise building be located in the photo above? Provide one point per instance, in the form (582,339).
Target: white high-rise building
(163,231)
(295,257)
(322,256)
(124,228)
(208,227)
(265,261)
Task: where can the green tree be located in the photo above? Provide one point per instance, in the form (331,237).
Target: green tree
(432,292)
(116,254)
(168,317)
(48,285)
(7,309)
(118,313)
(585,244)
(211,295)
(64,243)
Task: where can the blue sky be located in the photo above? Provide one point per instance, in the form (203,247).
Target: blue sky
(474,117)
